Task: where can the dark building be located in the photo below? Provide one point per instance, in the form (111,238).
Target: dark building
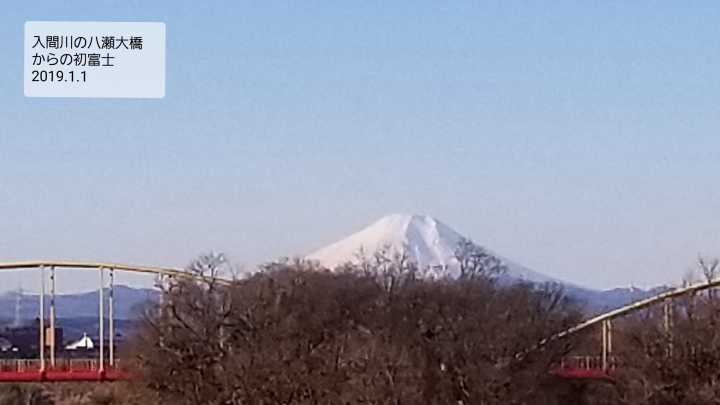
(24,341)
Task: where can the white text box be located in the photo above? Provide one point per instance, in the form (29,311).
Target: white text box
(94,59)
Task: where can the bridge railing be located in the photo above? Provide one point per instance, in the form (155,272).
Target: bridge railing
(68,365)
(588,363)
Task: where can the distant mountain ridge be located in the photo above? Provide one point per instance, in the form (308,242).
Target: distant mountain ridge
(128,301)
(599,301)
(78,313)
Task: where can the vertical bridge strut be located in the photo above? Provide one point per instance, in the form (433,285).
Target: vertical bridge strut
(52,316)
(668,309)
(606,344)
(112,317)
(41,330)
(101,339)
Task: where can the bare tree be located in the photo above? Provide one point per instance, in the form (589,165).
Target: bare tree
(476,262)
(26,394)
(295,333)
(670,353)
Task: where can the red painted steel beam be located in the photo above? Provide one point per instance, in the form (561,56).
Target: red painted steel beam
(582,373)
(63,376)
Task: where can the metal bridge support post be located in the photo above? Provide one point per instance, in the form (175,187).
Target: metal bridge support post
(605,345)
(41,330)
(669,325)
(112,317)
(610,343)
(162,301)
(161,298)
(52,316)
(101,339)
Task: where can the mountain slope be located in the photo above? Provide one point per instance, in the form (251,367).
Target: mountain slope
(430,243)
(426,241)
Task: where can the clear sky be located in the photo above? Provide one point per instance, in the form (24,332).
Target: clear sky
(578,138)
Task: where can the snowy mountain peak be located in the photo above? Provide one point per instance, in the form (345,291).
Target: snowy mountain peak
(425,240)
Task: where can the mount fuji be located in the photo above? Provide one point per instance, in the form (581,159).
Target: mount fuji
(426,242)
(430,243)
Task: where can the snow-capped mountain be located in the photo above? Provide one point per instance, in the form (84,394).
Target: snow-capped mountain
(430,243)
(424,240)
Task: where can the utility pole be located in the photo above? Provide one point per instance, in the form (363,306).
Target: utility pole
(18,303)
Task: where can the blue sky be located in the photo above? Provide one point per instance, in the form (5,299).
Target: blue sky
(578,138)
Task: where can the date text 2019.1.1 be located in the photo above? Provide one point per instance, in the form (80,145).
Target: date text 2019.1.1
(57,76)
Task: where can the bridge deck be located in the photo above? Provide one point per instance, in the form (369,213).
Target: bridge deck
(23,370)
(586,367)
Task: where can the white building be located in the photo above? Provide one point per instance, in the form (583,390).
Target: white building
(84,343)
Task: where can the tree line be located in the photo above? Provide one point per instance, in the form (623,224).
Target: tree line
(385,332)
(374,333)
